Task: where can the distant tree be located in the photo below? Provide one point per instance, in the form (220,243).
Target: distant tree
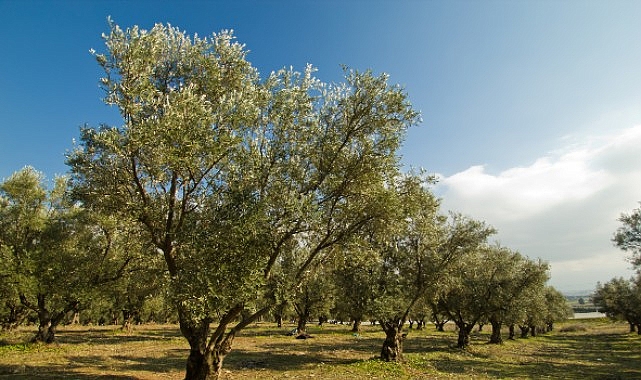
(437,316)
(313,298)
(620,299)
(415,250)
(556,306)
(628,236)
(355,280)
(54,253)
(138,284)
(486,285)
(514,278)
(225,173)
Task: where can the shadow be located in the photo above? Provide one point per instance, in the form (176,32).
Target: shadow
(113,335)
(170,361)
(27,372)
(589,356)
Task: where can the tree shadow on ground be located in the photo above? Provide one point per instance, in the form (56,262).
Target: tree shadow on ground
(115,336)
(27,372)
(167,361)
(603,357)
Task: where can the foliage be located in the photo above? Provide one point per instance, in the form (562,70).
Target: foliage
(226,173)
(54,253)
(620,299)
(628,235)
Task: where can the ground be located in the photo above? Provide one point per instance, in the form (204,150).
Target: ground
(578,349)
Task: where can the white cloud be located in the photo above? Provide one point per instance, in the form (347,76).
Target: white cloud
(563,207)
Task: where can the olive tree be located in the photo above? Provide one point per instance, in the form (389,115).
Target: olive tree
(54,254)
(463,296)
(513,279)
(226,173)
(628,235)
(620,299)
(355,283)
(415,248)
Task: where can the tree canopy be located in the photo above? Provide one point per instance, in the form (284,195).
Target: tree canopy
(225,172)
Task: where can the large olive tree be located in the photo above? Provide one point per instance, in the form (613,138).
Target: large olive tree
(227,173)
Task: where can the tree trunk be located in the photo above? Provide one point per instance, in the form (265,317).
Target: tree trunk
(76,318)
(533,331)
(525,330)
(496,338)
(47,325)
(203,363)
(46,331)
(632,327)
(464,334)
(356,326)
(393,345)
(47,321)
(439,322)
(301,327)
(279,320)
(127,320)
(511,334)
(17,314)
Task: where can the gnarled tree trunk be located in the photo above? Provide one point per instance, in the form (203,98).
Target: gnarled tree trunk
(495,337)
(301,327)
(525,331)
(356,326)
(392,350)
(48,321)
(204,361)
(207,352)
(465,329)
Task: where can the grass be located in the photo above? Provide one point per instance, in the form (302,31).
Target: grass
(587,349)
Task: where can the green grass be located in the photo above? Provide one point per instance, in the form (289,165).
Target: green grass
(585,349)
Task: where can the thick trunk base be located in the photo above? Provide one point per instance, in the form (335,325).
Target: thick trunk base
(496,337)
(525,331)
(46,333)
(393,346)
(204,365)
(301,327)
(464,336)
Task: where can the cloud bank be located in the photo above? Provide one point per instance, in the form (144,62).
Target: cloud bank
(562,208)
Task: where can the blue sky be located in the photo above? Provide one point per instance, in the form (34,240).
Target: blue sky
(531,109)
